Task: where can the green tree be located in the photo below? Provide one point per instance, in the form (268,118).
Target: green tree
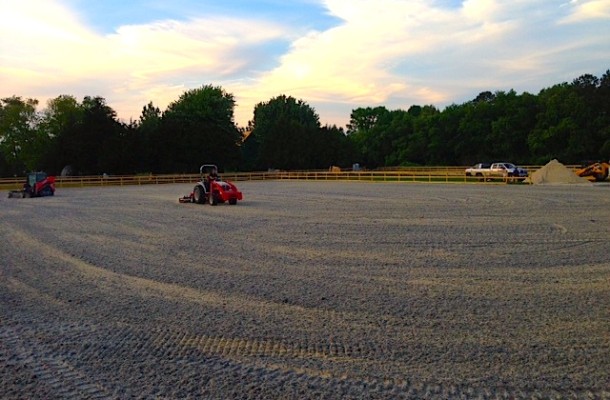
(367,130)
(148,139)
(331,147)
(61,119)
(559,131)
(397,135)
(428,134)
(443,136)
(515,117)
(20,139)
(93,140)
(199,128)
(284,131)
(5,168)
(603,118)
(101,137)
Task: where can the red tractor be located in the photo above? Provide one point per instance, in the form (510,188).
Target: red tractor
(212,189)
(37,184)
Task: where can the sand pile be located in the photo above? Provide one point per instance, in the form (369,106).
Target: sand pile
(555,173)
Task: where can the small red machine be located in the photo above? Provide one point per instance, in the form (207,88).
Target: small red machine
(37,184)
(212,189)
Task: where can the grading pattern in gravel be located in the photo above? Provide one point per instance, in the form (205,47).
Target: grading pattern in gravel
(307,290)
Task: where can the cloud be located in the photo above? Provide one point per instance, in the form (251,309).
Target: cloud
(51,49)
(400,53)
(385,52)
(169,57)
(377,53)
(30,31)
(582,10)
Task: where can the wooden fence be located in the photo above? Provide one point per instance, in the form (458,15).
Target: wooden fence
(411,174)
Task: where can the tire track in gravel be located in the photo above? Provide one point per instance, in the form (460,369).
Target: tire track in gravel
(19,286)
(144,286)
(225,368)
(54,371)
(221,346)
(275,361)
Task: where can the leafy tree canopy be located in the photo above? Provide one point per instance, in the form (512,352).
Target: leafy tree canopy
(19,138)
(281,130)
(199,128)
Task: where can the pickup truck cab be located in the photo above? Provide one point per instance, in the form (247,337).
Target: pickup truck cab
(496,170)
(478,169)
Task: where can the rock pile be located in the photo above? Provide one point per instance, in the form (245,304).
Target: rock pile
(555,173)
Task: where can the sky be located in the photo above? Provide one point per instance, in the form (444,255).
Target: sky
(335,55)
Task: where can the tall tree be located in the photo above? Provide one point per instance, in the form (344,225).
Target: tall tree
(61,119)
(148,139)
(367,129)
(604,114)
(101,144)
(557,133)
(199,128)
(20,138)
(333,148)
(283,129)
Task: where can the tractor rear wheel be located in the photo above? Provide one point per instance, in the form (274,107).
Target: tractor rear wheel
(198,196)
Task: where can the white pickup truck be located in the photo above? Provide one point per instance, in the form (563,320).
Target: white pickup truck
(496,170)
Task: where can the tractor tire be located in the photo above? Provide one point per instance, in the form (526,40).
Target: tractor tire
(198,196)
(232,201)
(212,199)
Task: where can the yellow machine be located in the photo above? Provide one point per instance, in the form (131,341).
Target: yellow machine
(595,172)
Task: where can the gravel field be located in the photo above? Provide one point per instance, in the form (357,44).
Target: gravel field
(307,290)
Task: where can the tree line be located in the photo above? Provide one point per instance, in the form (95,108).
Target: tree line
(568,121)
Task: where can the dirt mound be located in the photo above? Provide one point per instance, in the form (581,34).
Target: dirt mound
(555,173)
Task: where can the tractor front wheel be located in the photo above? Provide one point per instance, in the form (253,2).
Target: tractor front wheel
(198,196)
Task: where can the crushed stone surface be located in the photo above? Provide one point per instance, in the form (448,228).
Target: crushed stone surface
(307,290)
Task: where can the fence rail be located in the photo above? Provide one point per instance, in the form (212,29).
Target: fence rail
(415,174)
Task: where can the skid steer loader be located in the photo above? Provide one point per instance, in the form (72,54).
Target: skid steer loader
(37,184)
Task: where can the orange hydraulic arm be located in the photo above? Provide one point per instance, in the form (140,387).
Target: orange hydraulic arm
(595,172)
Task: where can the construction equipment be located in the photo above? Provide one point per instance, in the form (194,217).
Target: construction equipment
(595,171)
(37,184)
(212,189)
